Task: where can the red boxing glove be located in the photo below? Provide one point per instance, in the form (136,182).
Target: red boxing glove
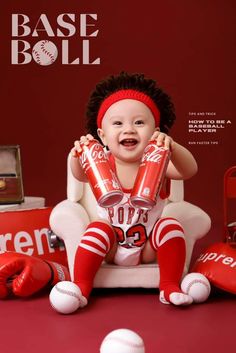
(218,264)
(28,274)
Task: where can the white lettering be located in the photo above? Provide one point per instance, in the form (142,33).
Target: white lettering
(94,154)
(39,234)
(153,156)
(84,25)
(71,28)
(65,27)
(218,257)
(233,265)
(15,51)
(202,257)
(86,55)
(22,240)
(65,54)
(16,25)
(228,261)
(60,272)
(210,256)
(46,27)
(225,260)
(3,242)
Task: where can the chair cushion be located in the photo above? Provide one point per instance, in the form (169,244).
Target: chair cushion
(113,276)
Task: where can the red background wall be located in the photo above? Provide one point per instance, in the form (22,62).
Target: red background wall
(187,46)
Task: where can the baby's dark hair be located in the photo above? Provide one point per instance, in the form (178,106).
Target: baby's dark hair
(129,81)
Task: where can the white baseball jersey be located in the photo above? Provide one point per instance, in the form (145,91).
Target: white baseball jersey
(131,224)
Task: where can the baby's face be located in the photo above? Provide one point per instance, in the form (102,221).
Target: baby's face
(127,127)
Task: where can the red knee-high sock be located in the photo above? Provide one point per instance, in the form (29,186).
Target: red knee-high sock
(96,242)
(168,240)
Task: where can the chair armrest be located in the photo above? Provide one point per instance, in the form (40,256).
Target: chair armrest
(74,186)
(68,220)
(195,222)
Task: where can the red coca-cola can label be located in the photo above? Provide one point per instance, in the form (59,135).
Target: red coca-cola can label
(103,181)
(150,176)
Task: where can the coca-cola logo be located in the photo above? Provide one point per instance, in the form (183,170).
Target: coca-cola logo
(153,154)
(93,154)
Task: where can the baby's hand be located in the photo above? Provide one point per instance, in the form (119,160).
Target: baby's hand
(163,140)
(77,144)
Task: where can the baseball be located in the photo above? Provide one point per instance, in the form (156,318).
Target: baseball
(122,341)
(197,286)
(45,52)
(65,297)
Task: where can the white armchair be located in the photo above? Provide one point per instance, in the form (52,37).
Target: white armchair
(70,218)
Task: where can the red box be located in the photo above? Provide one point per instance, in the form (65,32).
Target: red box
(26,232)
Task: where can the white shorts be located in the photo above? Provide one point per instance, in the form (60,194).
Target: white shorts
(127,256)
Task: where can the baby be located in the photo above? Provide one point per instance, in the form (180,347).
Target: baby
(125,112)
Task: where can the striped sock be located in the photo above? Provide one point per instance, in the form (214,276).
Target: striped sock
(96,242)
(167,239)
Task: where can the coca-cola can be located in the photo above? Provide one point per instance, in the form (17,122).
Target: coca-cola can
(150,176)
(103,181)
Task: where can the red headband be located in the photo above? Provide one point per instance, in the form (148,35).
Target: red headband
(127,94)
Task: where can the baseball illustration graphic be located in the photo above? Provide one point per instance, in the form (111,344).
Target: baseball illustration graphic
(45,52)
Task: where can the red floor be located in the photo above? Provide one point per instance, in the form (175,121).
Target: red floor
(31,325)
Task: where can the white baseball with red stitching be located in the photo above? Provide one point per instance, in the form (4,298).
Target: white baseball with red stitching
(122,341)
(197,286)
(45,52)
(66,297)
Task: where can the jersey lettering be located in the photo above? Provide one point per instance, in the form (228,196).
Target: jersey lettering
(110,212)
(135,236)
(127,215)
(120,213)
